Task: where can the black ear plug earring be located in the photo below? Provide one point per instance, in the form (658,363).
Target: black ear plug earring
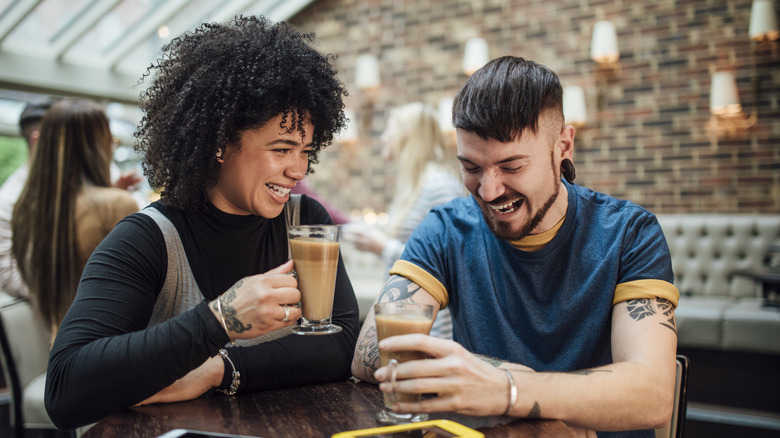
(567,169)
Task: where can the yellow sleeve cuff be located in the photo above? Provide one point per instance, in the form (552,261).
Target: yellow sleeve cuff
(633,290)
(423,279)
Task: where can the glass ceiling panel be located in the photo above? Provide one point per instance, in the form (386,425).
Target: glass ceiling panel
(195,13)
(112,27)
(48,19)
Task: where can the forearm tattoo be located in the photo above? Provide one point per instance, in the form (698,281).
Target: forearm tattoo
(398,288)
(491,360)
(643,307)
(588,372)
(536,412)
(370,350)
(229,312)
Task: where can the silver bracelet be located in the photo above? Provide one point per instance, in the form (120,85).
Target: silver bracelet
(512,390)
(222,320)
(235,376)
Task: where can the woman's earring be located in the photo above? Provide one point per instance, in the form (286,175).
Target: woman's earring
(567,169)
(220,153)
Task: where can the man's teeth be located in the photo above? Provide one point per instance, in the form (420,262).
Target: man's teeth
(278,190)
(509,207)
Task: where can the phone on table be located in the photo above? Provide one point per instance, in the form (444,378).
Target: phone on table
(423,429)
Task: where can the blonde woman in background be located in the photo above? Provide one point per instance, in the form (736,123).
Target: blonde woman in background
(67,205)
(427,176)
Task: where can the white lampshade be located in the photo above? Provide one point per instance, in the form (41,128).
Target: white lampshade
(604,44)
(724,97)
(574,108)
(367,72)
(763,21)
(445,114)
(475,55)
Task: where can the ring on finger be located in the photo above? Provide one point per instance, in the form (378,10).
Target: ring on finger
(286,313)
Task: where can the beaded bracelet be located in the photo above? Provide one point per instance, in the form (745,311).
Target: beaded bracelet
(236,376)
(512,390)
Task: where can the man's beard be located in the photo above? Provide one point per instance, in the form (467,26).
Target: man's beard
(503,230)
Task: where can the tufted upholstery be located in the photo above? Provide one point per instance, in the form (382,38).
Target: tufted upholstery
(706,249)
(717,308)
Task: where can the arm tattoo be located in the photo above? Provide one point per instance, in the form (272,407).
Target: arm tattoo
(491,360)
(536,412)
(232,321)
(667,310)
(588,372)
(369,350)
(642,307)
(398,288)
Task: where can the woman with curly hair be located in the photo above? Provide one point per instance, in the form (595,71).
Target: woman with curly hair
(234,118)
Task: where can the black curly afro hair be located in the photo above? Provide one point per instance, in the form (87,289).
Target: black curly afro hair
(212,84)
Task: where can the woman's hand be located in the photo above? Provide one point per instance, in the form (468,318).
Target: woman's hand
(193,384)
(260,303)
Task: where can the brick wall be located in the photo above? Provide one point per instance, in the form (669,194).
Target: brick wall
(650,137)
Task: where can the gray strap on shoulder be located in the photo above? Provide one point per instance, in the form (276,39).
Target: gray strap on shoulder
(180,291)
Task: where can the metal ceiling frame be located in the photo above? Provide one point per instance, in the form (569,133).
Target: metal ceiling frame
(53,72)
(81,26)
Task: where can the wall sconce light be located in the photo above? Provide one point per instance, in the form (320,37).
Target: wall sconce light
(475,55)
(367,72)
(724,100)
(763,21)
(604,44)
(575,112)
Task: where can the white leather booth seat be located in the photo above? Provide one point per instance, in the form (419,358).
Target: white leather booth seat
(718,309)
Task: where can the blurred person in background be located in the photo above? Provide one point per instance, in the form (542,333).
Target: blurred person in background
(338,216)
(235,116)
(427,176)
(67,205)
(29,125)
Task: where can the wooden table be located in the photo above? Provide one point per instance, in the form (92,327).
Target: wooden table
(307,411)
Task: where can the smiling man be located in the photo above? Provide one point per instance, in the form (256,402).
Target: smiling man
(562,298)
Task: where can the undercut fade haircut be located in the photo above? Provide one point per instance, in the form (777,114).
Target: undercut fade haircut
(220,80)
(505,97)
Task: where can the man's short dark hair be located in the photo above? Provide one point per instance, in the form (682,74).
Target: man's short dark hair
(32,114)
(505,97)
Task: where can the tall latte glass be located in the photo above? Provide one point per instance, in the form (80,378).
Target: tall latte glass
(315,252)
(393,319)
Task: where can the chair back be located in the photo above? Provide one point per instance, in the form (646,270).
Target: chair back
(676,426)
(24,352)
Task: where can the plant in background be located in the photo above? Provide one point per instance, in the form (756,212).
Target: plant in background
(13,153)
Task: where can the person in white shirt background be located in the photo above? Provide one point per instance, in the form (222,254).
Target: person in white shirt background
(427,175)
(29,125)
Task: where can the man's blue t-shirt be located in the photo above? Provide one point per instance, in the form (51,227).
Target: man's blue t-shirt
(549,309)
